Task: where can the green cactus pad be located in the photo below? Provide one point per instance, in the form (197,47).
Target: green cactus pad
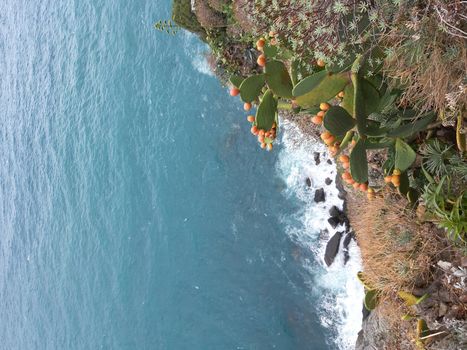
(371,97)
(270,51)
(409,129)
(366,101)
(337,121)
(404,156)
(266,113)
(347,101)
(359,162)
(326,89)
(278,79)
(371,299)
(309,83)
(236,80)
(251,87)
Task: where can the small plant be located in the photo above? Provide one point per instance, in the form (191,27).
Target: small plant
(449,212)
(167,26)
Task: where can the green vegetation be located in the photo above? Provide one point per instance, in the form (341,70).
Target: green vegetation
(379,80)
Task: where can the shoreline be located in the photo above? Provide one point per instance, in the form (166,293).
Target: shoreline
(376,331)
(335,247)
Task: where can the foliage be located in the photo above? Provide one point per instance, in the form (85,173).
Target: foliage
(167,26)
(450,211)
(182,15)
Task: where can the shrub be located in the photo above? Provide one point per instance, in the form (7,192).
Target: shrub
(397,250)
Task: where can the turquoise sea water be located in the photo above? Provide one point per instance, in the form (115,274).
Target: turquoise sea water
(136,212)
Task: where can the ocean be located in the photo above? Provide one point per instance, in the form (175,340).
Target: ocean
(136,210)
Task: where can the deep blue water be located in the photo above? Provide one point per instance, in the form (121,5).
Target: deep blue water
(136,211)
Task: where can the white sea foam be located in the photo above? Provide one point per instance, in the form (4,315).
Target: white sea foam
(336,288)
(197,52)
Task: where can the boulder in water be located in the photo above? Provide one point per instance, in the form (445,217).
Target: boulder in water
(316,157)
(320,196)
(332,248)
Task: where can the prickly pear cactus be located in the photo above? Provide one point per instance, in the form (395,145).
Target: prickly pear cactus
(278,79)
(337,121)
(322,87)
(251,87)
(266,112)
(359,162)
(404,156)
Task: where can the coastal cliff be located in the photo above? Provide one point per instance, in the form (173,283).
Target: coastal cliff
(394,122)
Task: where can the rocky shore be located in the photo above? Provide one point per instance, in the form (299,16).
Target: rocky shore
(441,310)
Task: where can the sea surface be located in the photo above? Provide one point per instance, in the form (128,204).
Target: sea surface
(136,210)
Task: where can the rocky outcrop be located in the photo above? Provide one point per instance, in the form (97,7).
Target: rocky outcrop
(316,158)
(332,248)
(320,195)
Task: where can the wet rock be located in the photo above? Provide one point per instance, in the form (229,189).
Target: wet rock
(316,158)
(328,181)
(334,212)
(337,217)
(332,248)
(345,245)
(320,196)
(333,221)
(308,182)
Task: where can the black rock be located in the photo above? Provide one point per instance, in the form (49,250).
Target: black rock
(332,248)
(345,245)
(308,182)
(347,240)
(328,181)
(333,221)
(316,157)
(334,212)
(320,196)
(329,161)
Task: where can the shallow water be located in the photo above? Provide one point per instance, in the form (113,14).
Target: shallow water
(136,211)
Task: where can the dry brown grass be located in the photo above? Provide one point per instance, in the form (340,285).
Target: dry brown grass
(429,57)
(397,251)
